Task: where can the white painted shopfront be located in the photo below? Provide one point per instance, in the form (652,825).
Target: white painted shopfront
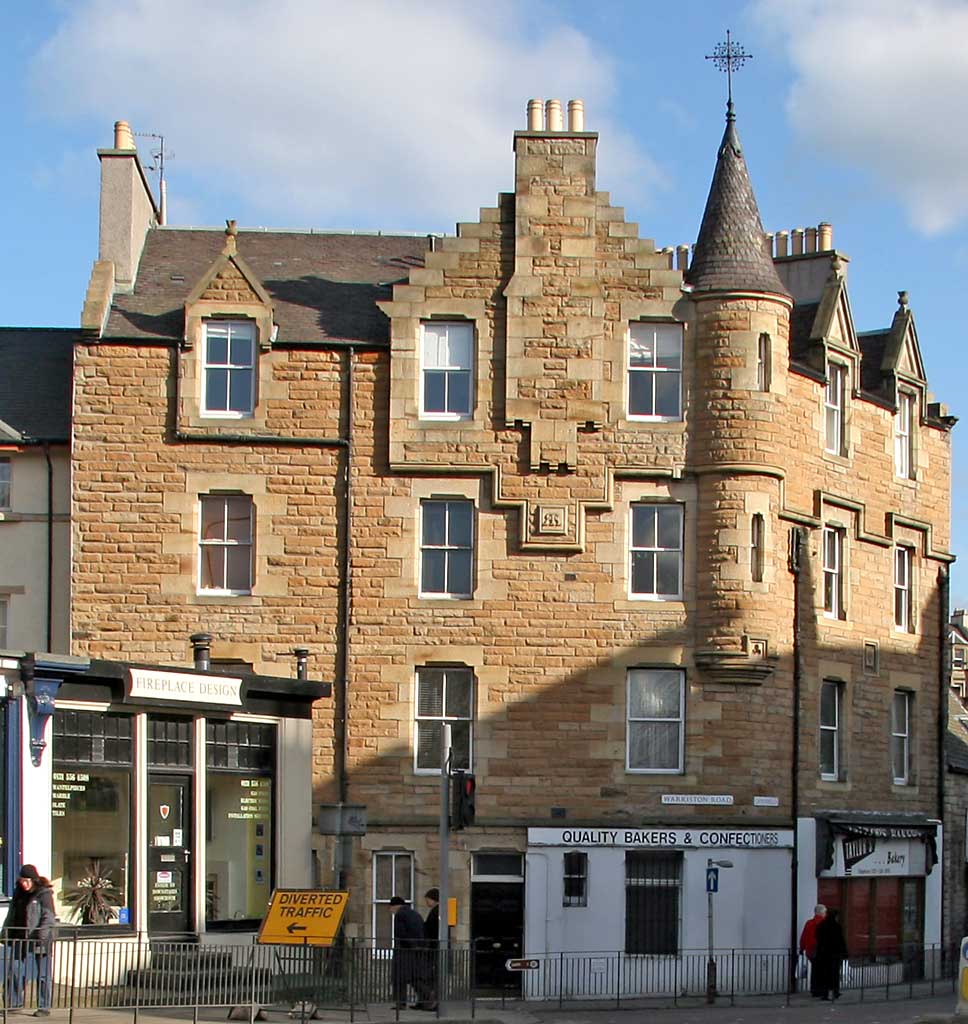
(189,792)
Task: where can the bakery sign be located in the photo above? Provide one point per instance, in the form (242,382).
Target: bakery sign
(154,684)
(860,856)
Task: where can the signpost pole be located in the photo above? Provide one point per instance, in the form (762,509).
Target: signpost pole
(444,870)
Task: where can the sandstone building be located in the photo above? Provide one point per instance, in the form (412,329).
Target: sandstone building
(663,539)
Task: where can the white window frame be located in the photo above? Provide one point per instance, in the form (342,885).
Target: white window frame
(903,591)
(231,330)
(834,401)
(378,900)
(958,656)
(656,550)
(643,328)
(834,728)
(679,719)
(6,483)
(447,548)
(834,543)
(4,621)
(904,435)
(901,736)
(443,718)
(451,369)
(225,542)
(763,362)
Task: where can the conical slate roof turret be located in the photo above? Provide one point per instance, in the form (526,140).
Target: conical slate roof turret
(731,251)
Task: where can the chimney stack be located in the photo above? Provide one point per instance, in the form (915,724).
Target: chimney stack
(128,209)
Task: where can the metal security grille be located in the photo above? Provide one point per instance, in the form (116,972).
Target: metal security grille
(250,745)
(89,737)
(653,886)
(169,742)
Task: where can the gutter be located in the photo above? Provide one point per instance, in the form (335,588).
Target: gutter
(50,547)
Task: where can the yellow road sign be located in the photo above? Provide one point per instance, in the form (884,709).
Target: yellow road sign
(303,917)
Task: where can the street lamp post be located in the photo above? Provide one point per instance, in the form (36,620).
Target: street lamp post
(712,886)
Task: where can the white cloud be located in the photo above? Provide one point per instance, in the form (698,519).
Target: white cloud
(881,85)
(375,113)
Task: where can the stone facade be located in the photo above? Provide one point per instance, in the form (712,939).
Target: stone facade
(340,450)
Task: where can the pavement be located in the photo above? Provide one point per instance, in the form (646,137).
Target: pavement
(849,1009)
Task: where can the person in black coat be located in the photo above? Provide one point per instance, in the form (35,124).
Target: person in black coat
(28,934)
(431,943)
(408,940)
(830,955)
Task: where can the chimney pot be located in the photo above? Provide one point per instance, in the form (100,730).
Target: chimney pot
(811,240)
(783,243)
(202,650)
(123,137)
(535,115)
(825,237)
(798,241)
(302,662)
(576,115)
(553,122)
(682,257)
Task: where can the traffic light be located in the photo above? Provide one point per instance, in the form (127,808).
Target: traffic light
(463,804)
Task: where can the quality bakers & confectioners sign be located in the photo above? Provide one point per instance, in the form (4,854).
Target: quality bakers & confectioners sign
(152,684)
(660,836)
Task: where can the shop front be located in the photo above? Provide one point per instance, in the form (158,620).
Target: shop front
(161,801)
(651,891)
(879,875)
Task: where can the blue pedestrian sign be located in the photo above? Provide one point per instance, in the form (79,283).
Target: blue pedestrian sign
(712,879)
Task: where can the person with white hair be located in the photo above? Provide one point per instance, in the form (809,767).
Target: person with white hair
(808,947)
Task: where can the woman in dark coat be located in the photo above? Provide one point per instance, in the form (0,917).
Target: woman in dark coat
(830,955)
(28,933)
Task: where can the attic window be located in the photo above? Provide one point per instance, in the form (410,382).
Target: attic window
(228,385)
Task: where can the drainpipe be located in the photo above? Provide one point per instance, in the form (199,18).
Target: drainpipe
(50,547)
(944,685)
(344,612)
(202,651)
(797,543)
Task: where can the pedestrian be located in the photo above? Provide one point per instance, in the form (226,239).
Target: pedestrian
(808,945)
(28,933)
(408,938)
(431,944)
(830,955)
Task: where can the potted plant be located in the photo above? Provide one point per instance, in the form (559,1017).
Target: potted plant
(94,898)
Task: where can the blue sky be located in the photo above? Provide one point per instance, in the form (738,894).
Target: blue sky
(394,115)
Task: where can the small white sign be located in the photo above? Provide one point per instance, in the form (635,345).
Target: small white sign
(162,841)
(152,684)
(163,878)
(176,837)
(697,799)
(766,801)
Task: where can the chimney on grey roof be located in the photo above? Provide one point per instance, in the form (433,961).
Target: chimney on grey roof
(128,208)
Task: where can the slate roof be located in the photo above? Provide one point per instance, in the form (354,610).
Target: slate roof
(801,324)
(323,286)
(731,251)
(36,367)
(872,346)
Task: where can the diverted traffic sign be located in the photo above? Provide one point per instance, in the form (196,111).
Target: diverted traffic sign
(528,964)
(303,917)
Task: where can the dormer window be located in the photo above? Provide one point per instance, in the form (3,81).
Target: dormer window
(228,385)
(446,351)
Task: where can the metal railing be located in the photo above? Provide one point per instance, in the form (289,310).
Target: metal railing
(78,974)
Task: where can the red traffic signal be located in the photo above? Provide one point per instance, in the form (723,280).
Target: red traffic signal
(463,809)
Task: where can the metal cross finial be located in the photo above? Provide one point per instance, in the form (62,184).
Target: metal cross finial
(727,56)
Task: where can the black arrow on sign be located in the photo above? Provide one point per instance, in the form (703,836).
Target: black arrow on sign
(296,928)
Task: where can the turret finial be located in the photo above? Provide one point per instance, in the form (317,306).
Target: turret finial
(727,56)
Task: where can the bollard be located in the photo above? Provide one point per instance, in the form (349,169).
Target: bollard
(962,1007)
